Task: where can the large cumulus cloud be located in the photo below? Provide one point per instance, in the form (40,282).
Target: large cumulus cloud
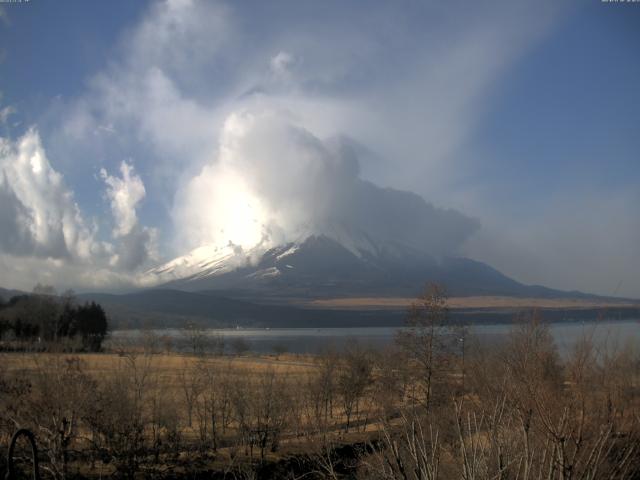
(136,244)
(44,236)
(38,211)
(274,181)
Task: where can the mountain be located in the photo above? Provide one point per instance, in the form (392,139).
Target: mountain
(322,266)
(6,294)
(231,286)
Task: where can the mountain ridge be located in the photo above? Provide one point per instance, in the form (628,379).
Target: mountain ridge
(232,286)
(321,267)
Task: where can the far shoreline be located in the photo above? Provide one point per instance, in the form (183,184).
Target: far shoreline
(474,302)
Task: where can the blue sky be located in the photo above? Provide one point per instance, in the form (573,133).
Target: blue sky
(521,115)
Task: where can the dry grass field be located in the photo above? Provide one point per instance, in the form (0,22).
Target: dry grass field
(517,411)
(221,404)
(168,365)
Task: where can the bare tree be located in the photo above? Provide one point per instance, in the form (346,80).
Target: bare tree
(195,336)
(321,386)
(240,346)
(424,339)
(271,410)
(191,386)
(410,451)
(119,415)
(354,376)
(392,381)
(216,344)
(58,395)
(212,404)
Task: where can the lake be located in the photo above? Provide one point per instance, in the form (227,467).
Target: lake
(613,333)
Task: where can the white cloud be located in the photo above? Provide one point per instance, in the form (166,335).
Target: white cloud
(25,272)
(5,113)
(124,194)
(43,234)
(136,244)
(7,110)
(409,89)
(40,216)
(146,94)
(281,65)
(273,181)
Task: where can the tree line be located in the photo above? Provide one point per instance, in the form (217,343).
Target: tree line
(47,319)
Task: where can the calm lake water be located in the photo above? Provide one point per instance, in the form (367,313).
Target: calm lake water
(613,334)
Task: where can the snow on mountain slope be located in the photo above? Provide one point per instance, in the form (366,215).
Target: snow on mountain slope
(340,263)
(205,261)
(211,260)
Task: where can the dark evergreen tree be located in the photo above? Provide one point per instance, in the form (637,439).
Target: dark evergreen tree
(46,317)
(91,324)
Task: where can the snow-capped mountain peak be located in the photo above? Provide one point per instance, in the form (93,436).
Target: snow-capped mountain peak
(205,261)
(338,262)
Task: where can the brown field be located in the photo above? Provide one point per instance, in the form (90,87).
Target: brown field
(471,302)
(354,414)
(168,364)
(170,377)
